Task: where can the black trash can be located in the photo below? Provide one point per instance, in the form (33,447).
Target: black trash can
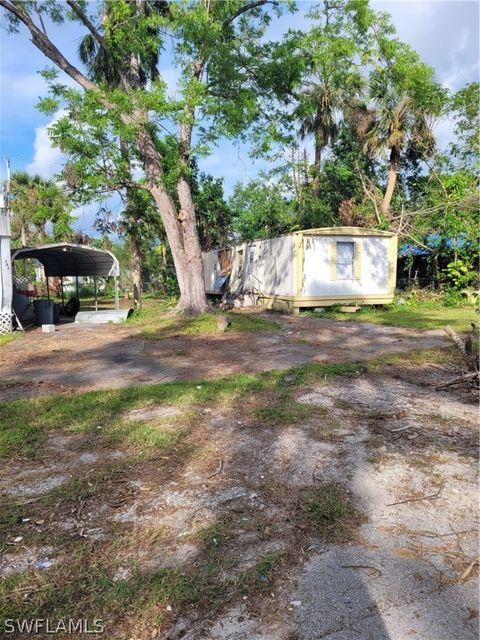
(43,312)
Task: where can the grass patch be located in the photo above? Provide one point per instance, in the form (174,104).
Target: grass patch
(427,315)
(157,320)
(24,424)
(6,338)
(327,512)
(416,358)
(261,575)
(84,588)
(286,412)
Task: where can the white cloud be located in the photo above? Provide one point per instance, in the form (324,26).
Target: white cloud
(444,132)
(47,160)
(30,86)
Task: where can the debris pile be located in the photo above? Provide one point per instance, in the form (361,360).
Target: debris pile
(469,365)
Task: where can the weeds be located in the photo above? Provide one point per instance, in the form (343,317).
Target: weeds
(425,315)
(24,424)
(155,324)
(327,512)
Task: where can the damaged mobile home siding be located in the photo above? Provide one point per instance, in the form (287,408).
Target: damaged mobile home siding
(271,267)
(316,267)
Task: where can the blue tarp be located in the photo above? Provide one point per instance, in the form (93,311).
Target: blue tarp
(433,241)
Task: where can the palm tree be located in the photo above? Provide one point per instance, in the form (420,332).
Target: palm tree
(398,127)
(36,202)
(319,105)
(103,69)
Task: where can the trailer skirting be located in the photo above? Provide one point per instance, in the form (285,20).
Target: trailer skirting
(291,304)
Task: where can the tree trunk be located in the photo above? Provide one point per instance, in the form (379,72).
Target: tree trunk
(136,265)
(24,235)
(133,235)
(192,255)
(392,179)
(180,227)
(317,168)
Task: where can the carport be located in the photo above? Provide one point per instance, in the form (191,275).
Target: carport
(73,260)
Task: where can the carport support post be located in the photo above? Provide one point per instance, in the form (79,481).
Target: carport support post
(95,289)
(76,283)
(48,289)
(117,302)
(63,296)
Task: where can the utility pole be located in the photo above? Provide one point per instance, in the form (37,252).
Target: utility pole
(5,261)
(6,193)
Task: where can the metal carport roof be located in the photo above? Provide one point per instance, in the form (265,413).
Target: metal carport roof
(66,259)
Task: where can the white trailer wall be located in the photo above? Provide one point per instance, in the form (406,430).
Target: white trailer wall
(374,267)
(270,266)
(211,269)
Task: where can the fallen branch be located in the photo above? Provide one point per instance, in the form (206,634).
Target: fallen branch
(468,570)
(430,497)
(362,566)
(409,426)
(219,470)
(465,378)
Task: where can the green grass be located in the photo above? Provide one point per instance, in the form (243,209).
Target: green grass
(159,327)
(10,337)
(157,320)
(84,588)
(24,424)
(286,411)
(329,513)
(422,316)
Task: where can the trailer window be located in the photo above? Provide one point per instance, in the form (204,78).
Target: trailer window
(345,257)
(240,263)
(251,259)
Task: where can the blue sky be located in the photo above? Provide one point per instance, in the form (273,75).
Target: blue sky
(445,34)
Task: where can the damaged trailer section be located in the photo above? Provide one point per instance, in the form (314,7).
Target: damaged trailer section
(312,268)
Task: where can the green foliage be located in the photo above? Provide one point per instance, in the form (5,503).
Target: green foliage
(262,210)
(331,79)
(459,274)
(464,107)
(41,210)
(403,97)
(346,86)
(214,215)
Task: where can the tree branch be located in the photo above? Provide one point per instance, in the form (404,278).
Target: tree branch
(369,194)
(40,18)
(244,9)
(86,21)
(46,46)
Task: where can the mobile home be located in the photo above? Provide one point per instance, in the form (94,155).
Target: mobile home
(312,268)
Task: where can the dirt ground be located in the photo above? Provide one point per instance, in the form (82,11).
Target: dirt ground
(402,453)
(83,357)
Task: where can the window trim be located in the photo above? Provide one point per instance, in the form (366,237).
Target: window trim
(356,261)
